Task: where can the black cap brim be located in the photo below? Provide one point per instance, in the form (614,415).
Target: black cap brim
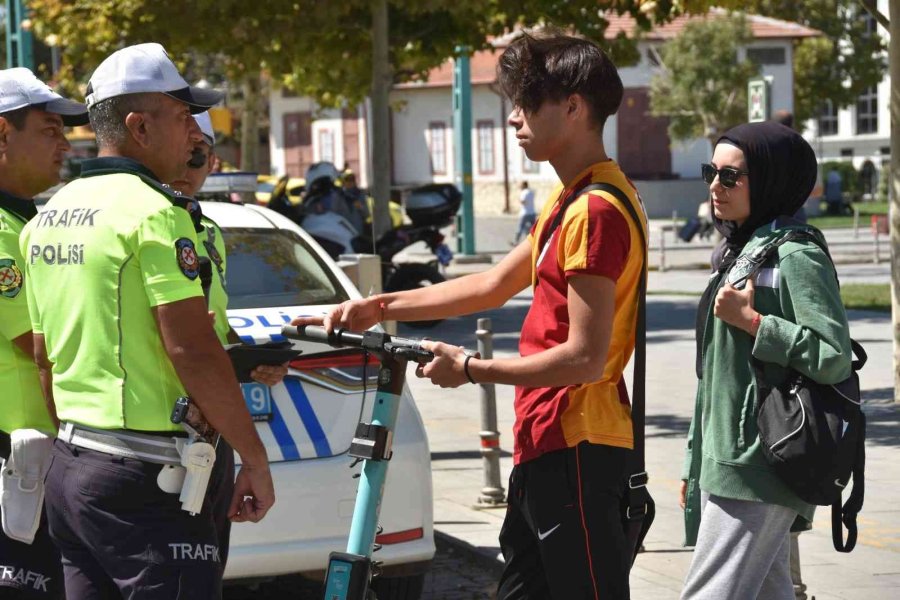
(73,113)
(198,99)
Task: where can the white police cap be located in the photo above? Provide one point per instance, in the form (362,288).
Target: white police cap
(146,68)
(206,128)
(20,88)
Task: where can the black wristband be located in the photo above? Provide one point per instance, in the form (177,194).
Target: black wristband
(466,368)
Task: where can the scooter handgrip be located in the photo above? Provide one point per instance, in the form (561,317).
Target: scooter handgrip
(308,333)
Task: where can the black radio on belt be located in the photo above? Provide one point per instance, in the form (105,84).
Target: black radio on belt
(188,415)
(179,412)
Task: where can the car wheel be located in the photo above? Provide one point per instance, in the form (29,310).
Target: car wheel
(399,588)
(411,276)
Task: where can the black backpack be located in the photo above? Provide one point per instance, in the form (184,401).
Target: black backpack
(814,434)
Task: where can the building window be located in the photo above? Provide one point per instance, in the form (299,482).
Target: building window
(870,23)
(767,56)
(867,111)
(485,146)
(846,152)
(529,166)
(326,145)
(828,119)
(437,147)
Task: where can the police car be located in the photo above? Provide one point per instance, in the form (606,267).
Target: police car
(276,272)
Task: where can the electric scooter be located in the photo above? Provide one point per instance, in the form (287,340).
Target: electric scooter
(349,573)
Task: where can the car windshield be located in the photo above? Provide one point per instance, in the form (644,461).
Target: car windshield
(275,267)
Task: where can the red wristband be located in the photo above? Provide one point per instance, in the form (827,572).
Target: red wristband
(754,324)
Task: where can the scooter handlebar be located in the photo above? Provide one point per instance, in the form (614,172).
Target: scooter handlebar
(371,340)
(313,333)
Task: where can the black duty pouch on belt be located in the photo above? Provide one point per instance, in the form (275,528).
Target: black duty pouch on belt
(246,357)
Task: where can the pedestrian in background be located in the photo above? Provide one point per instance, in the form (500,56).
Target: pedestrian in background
(562,536)
(527,213)
(738,511)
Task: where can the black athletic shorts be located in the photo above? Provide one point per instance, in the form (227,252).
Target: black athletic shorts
(562,537)
(121,536)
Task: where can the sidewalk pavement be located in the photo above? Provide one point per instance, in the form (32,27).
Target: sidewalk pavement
(452,418)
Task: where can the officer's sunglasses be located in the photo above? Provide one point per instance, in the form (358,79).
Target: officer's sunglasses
(728,176)
(198,160)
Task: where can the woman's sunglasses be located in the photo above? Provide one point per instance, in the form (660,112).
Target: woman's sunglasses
(728,176)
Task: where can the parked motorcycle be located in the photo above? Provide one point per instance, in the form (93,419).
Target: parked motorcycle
(429,207)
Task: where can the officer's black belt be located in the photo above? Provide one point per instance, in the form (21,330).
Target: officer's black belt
(129,444)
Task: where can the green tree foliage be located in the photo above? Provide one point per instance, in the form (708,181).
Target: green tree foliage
(702,87)
(839,65)
(319,49)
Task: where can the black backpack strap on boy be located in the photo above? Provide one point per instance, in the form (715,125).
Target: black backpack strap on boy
(638,508)
(813,435)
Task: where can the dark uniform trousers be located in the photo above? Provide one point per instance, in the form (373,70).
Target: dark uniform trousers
(29,571)
(121,536)
(562,537)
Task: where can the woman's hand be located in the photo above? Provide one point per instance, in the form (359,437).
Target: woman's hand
(355,315)
(682,495)
(735,307)
(448,367)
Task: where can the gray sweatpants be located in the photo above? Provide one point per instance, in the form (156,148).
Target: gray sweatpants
(742,553)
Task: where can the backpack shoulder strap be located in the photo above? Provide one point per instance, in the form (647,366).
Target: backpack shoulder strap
(638,391)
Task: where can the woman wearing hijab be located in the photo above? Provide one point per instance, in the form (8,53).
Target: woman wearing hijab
(738,512)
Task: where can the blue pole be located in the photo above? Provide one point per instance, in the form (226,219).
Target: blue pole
(462,144)
(19,42)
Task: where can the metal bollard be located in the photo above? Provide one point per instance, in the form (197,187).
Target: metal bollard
(855,222)
(492,494)
(876,258)
(675,237)
(662,250)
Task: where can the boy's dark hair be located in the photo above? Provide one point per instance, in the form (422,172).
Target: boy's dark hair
(534,69)
(17,117)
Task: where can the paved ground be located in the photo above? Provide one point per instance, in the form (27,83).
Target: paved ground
(452,418)
(455,575)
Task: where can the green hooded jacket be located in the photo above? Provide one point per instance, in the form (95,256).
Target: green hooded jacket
(804,327)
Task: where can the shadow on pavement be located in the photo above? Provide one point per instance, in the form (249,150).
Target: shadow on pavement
(882,417)
(665,426)
(662,314)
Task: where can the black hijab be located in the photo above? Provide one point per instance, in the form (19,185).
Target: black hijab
(782,172)
(783,169)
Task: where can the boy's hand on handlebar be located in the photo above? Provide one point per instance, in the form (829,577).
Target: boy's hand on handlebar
(355,315)
(447,368)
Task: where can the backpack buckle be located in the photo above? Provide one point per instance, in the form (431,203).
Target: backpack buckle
(638,480)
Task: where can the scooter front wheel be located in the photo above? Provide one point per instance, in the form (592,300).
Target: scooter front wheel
(411,276)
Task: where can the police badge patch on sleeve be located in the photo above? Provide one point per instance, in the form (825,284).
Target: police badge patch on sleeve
(187,258)
(10,278)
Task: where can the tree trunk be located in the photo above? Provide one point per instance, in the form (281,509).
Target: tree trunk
(894,217)
(250,123)
(382,78)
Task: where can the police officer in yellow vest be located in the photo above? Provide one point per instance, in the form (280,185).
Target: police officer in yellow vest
(119,318)
(32,147)
(212,246)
